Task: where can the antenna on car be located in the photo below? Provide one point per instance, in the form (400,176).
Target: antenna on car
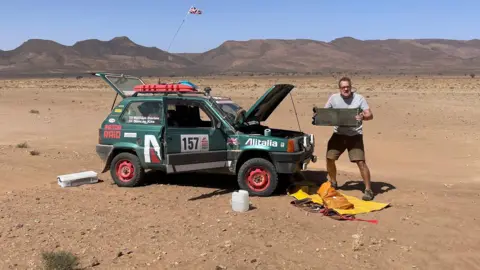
(296,115)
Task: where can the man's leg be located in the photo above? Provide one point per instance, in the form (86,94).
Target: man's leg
(365,173)
(356,153)
(332,172)
(335,148)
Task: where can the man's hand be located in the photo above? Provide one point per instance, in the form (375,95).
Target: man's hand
(365,115)
(359,117)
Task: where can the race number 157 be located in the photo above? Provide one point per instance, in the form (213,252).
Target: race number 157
(190,143)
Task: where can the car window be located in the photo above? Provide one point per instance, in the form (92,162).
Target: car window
(143,112)
(188,115)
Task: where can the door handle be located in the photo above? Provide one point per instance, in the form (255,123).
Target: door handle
(169,138)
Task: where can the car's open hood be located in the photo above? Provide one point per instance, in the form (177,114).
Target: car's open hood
(267,103)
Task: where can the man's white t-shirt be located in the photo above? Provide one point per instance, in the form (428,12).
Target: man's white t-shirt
(337,101)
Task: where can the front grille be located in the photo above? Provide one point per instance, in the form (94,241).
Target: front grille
(300,144)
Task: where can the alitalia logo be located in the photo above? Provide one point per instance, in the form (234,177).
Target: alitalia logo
(261,142)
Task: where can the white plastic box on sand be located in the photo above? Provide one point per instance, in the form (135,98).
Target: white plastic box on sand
(77,179)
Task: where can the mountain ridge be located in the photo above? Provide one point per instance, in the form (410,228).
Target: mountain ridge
(42,56)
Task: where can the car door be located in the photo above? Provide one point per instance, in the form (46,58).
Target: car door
(143,126)
(193,144)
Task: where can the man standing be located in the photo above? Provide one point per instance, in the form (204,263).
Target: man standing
(350,138)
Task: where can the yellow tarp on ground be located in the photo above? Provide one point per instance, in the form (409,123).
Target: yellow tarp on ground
(300,192)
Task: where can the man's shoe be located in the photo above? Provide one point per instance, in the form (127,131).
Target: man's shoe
(334,184)
(367,195)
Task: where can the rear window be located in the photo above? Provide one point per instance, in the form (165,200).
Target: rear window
(143,113)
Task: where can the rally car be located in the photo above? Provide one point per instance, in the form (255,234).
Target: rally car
(175,127)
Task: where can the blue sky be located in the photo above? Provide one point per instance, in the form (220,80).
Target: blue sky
(154,22)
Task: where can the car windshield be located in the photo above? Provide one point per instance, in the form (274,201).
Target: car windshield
(229,110)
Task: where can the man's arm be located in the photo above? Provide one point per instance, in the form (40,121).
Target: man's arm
(366,111)
(329,103)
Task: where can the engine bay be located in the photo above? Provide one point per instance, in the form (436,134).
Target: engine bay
(260,130)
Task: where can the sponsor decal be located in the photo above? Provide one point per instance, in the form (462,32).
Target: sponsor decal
(282,144)
(204,143)
(232,141)
(143,120)
(118,110)
(194,143)
(260,142)
(113,127)
(130,135)
(151,150)
(112,131)
(111,134)
(111,120)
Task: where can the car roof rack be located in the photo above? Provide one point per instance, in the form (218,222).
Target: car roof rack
(178,93)
(167,89)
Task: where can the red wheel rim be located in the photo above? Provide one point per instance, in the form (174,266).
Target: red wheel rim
(125,170)
(258,179)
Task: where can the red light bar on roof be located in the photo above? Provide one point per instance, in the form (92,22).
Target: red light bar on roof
(167,87)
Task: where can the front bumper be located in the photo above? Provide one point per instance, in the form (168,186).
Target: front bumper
(299,160)
(292,162)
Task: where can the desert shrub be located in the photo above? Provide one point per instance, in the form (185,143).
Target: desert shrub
(22,145)
(472,75)
(60,260)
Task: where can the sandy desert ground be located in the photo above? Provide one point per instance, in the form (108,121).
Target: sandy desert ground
(422,149)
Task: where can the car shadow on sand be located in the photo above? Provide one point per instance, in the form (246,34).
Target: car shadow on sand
(221,183)
(224,184)
(314,177)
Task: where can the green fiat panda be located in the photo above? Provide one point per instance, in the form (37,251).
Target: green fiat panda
(178,128)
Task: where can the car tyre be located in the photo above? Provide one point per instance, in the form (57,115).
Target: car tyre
(126,170)
(258,176)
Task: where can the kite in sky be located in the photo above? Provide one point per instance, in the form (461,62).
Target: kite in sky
(194,10)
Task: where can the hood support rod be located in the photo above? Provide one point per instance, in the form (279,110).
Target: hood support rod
(296,115)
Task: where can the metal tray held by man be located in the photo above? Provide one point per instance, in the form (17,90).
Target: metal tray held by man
(335,117)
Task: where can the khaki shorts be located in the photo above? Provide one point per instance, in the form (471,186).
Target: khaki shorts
(338,143)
